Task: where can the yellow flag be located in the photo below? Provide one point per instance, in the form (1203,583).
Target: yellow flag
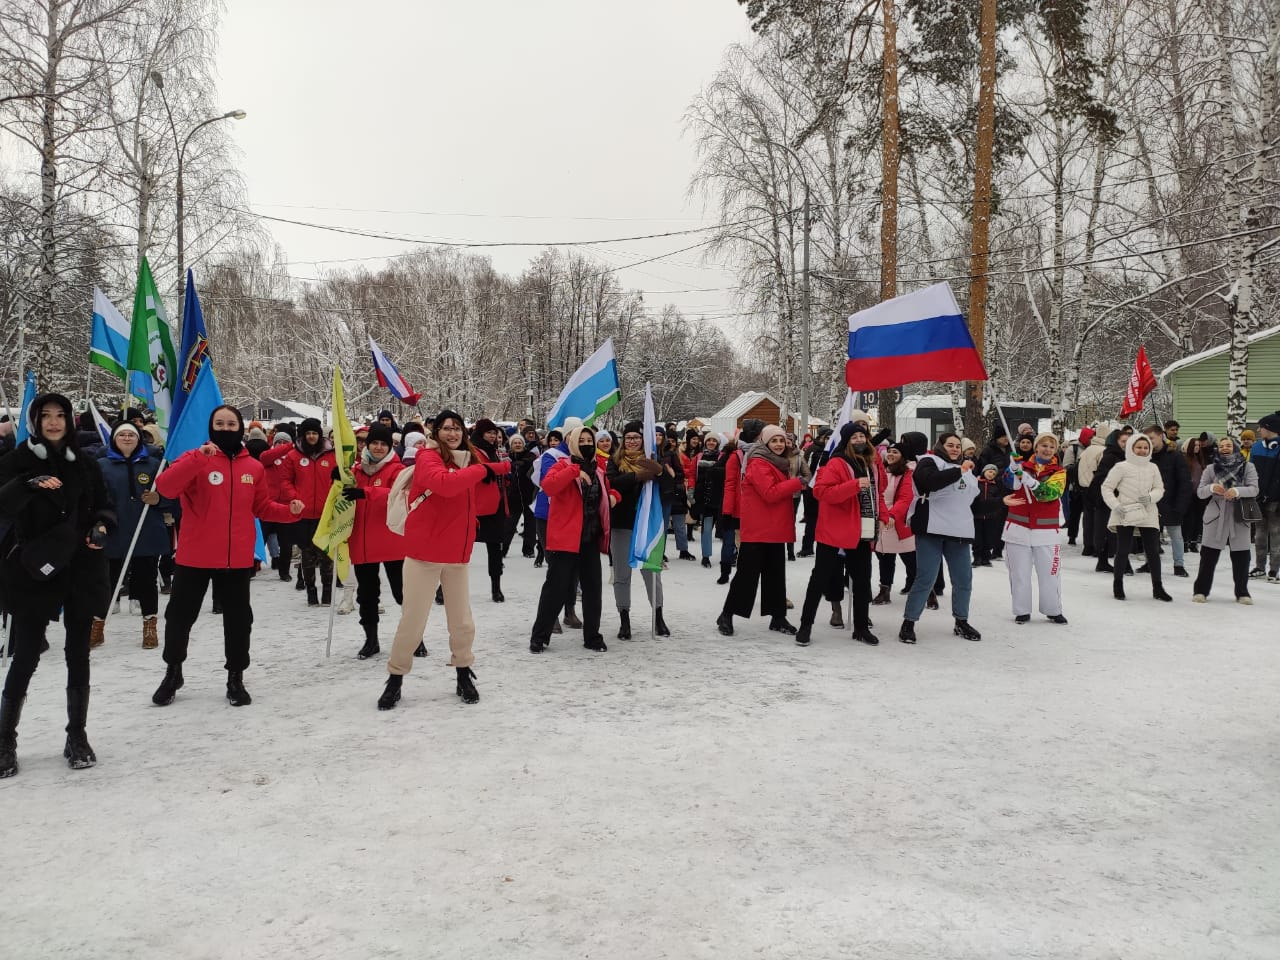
(339,516)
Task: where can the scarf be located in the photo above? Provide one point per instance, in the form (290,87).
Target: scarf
(371,466)
(1228,470)
(629,461)
(861,468)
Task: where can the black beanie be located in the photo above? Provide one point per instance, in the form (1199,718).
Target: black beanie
(377,432)
(447,414)
(387,414)
(998,431)
(751,428)
(311,423)
(633,426)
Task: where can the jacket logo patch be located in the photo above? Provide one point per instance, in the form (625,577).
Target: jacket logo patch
(246,478)
(144,479)
(378,482)
(304,462)
(216,478)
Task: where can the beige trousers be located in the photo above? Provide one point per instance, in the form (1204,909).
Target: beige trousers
(420,582)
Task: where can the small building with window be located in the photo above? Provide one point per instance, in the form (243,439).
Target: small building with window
(1199,385)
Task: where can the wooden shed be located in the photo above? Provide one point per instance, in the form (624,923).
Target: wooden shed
(1199,384)
(745,406)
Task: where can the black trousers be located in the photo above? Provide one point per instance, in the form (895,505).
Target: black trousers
(495,551)
(856,565)
(189,585)
(26,636)
(1104,541)
(286,538)
(1239,571)
(810,520)
(763,565)
(369,590)
(312,556)
(988,541)
(1073,513)
(1193,521)
(1150,546)
(1087,527)
(889,564)
(140,584)
(564,571)
(540,526)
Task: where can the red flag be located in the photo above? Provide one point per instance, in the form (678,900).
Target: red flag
(1141,382)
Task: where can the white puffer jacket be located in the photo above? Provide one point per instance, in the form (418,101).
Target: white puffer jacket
(1133,488)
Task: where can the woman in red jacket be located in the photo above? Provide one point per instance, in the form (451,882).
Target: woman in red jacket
(221,489)
(373,544)
(308,477)
(577,533)
(275,460)
(492,502)
(848,508)
(438,536)
(768,523)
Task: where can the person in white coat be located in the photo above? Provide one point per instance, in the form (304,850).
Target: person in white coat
(1131,491)
(1031,536)
(942,521)
(1222,484)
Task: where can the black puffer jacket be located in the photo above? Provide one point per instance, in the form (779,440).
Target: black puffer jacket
(1176,477)
(1113,454)
(50,526)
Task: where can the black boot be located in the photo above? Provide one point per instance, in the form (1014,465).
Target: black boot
(326,595)
(660,625)
(837,617)
(10,713)
(313,598)
(421,651)
(883,597)
(803,634)
(236,692)
(706,562)
(282,566)
(864,635)
(391,692)
(791,551)
(79,754)
(595,643)
(964,630)
(496,582)
(466,689)
(932,602)
(725,570)
(1117,589)
(781,625)
(299,584)
(1157,591)
(724,623)
(370,647)
(624,624)
(907,632)
(169,686)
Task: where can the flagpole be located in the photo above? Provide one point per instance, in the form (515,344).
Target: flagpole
(328,644)
(88,379)
(133,542)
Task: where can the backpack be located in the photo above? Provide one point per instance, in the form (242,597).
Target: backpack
(398,505)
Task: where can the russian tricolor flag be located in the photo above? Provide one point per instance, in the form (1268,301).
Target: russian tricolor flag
(389,377)
(915,337)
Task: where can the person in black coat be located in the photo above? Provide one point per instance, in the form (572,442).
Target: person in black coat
(998,450)
(1104,540)
(57,517)
(708,494)
(1178,491)
(989,513)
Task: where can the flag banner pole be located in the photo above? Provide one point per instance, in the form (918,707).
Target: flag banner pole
(133,542)
(328,644)
(88,380)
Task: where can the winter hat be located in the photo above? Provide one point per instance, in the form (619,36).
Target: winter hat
(989,466)
(772,430)
(257,433)
(966,445)
(691,434)
(413,426)
(1129,453)
(750,431)
(633,426)
(573,439)
(1046,436)
(282,436)
(483,426)
(914,445)
(377,433)
(309,424)
(1271,422)
(387,415)
(133,413)
(124,427)
(151,433)
(998,430)
(412,444)
(362,431)
(1086,436)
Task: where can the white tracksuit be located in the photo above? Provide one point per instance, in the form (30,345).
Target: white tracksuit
(1026,549)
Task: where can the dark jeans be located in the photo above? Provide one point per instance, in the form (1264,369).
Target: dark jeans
(856,564)
(728,540)
(189,585)
(564,571)
(369,589)
(139,585)
(763,564)
(988,541)
(26,634)
(1074,512)
(889,563)
(312,556)
(1104,541)
(1150,546)
(1087,522)
(1239,571)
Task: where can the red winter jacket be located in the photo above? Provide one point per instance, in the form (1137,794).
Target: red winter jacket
(690,465)
(442,529)
(897,510)
(764,500)
(274,460)
(564,521)
(220,498)
(489,498)
(309,479)
(732,483)
(840,509)
(372,541)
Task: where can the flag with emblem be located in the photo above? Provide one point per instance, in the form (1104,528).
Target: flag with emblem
(151,362)
(339,516)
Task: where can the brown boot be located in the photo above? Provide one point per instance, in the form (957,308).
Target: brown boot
(883,597)
(97,633)
(150,639)
(837,618)
(932,602)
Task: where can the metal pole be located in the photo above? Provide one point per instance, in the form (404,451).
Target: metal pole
(128,556)
(328,645)
(804,319)
(88,379)
(182,273)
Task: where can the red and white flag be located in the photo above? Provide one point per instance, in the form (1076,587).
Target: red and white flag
(1141,382)
(389,376)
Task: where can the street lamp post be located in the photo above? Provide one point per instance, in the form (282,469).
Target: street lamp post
(158,80)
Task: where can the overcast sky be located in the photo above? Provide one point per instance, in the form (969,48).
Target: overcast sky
(493,120)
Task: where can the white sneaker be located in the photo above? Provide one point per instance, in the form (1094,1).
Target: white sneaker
(1199,598)
(1247,601)
(1273,578)
(135,608)
(115,608)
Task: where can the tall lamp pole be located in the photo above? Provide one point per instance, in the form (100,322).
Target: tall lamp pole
(158,80)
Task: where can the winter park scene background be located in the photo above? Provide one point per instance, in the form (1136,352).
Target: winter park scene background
(487,194)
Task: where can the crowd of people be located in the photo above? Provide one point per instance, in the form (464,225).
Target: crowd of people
(78,515)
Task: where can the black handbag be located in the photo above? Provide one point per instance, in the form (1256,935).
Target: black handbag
(1248,510)
(50,553)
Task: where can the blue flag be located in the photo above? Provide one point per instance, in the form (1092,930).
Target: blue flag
(24,413)
(192,427)
(193,351)
(649,532)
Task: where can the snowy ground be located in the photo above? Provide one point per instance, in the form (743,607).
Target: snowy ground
(1103,790)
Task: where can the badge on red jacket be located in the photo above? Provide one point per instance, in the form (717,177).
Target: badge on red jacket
(246,478)
(216,478)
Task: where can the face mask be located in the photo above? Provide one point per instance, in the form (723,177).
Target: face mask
(586,451)
(228,441)
(862,449)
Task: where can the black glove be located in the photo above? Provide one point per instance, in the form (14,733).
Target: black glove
(35,482)
(336,474)
(352,493)
(98,535)
(489,475)
(881,437)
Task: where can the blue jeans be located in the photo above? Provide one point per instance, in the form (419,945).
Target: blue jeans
(678,528)
(930,551)
(708,536)
(1175,540)
(729,545)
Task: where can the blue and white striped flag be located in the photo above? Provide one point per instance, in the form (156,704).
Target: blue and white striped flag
(592,390)
(99,421)
(649,533)
(109,342)
(23,429)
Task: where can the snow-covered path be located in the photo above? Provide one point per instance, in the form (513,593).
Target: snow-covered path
(1107,789)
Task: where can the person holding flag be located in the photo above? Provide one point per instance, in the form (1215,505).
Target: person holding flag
(373,545)
(58,516)
(221,489)
(308,476)
(1031,529)
(633,470)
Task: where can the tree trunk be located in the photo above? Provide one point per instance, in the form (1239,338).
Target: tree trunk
(983,158)
(889,160)
(43,330)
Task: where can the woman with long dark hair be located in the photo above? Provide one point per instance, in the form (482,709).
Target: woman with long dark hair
(439,534)
(896,539)
(768,524)
(849,507)
(493,502)
(58,517)
(629,470)
(707,494)
(1199,455)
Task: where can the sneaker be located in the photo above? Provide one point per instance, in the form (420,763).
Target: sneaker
(1022,618)
(1180,572)
(1199,598)
(1246,600)
(1257,573)
(1058,618)
(135,608)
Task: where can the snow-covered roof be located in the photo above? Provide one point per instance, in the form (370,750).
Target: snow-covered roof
(302,410)
(741,404)
(1215,352)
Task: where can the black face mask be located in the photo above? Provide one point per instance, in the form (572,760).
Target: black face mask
(862,449)
(586,452)
(229,442)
